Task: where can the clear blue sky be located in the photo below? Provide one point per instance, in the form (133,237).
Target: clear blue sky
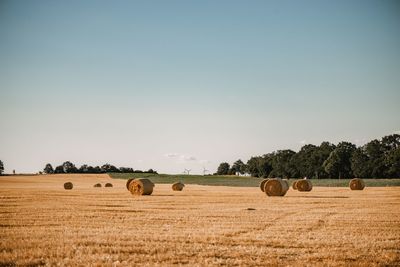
(185,84)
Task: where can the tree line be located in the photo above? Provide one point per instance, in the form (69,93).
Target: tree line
(1,167)
(69,167)
(376,159)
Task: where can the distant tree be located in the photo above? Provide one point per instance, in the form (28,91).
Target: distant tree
(360,164)
(391,147)
(151,171)
(109,168)
(223,168)
(391,142)
(48,169)
(238,166)
(307,161)
(392,161)
(259,166)
(69,167)
(310,159)
(375,166)
(1,167)
(59,169)
(324,150)
(96,169)
(231,171)
(252,166)
(338,164)
(85,169)
(282,164)
(126,170)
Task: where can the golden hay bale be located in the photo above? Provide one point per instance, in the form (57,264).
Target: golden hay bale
(304,185)
(97,185)
(68,186)
(276,187)
(108,185)
(178,186)
(127,182)
(141,186)
(262,184)
(357,184)
(294,185)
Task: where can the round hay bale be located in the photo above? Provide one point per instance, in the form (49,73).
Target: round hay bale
(141,186)
(294,185)
(108,185)
(68,186)
(97,185)
(357,184)
(276,187)
(127,182)
(178,186)
(262,184)
(304,185)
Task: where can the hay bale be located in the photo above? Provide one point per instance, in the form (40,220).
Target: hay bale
(178,186)
(108,185)
(357,184)
(294,185)
(304,185)
(262,184)
(276,187)
(97,185)
(141,186)
(127,182)
(68,186)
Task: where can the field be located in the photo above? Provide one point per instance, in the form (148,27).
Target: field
(43,224)
(231,180)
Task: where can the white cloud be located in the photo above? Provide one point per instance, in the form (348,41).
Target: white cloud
(171,155)
(187,158)
(303,142)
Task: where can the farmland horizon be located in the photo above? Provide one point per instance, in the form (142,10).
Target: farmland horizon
(387,145)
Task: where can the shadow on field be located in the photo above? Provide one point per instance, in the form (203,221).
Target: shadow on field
(317,197)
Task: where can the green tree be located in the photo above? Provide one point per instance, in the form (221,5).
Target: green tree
(392,160)
(109,168)
(375,166)
(59,169)
(282,164)
(307,161)
(69,167)
(223,168)
(1,167)
(391,142)
(238,166)
(360,164)
(48,169)
(338,164)
(323,152)
(259,166)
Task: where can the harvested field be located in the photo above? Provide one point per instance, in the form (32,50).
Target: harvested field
(43,224)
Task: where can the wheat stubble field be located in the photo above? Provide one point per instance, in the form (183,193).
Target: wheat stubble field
(43,224)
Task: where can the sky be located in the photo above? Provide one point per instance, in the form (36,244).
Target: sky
(174,85)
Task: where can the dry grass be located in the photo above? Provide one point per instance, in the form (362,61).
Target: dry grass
(42,224)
